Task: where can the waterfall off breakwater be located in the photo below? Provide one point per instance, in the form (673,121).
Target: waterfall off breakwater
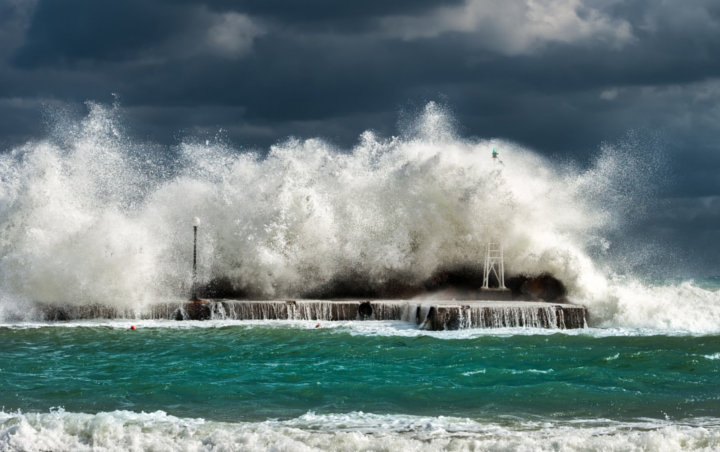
(446,315)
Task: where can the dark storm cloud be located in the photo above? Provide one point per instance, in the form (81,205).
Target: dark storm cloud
(136,49)
(690,226)
(561,77)
(67,31)
(327,14)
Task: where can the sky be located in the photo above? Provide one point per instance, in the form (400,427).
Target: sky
(561,77)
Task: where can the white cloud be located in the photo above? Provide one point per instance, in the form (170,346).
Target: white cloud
(232,34)
(515,26)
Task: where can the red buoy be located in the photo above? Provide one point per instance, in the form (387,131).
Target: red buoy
(132,327)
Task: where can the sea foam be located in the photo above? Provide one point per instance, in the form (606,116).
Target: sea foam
(89,216)
(129,431)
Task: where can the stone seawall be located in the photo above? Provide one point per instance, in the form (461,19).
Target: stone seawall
(428,314)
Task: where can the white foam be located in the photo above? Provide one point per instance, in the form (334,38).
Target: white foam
(88,217)
(356,328)
(674,307)
(128,431)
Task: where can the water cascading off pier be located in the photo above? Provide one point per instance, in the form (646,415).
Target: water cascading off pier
(428,314)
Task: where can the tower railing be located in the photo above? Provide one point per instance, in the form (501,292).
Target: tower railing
(494,264)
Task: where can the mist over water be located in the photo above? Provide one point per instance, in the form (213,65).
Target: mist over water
(89,216)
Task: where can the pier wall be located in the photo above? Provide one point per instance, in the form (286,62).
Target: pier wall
(428,314)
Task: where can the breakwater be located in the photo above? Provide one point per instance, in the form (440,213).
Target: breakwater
(427,314)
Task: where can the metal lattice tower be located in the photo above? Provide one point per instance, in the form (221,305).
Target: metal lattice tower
(494,257)
(494,263)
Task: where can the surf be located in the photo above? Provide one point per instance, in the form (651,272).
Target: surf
(123,430)
(90,216)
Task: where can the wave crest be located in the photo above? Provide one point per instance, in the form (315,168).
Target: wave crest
(88,216)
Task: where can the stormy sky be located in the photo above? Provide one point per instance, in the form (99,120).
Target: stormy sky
(561,77)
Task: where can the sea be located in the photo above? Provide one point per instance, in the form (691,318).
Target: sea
(371,386)
(90,216)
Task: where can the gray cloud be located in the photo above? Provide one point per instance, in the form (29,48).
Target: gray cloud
(514,27)
(232,34)
(560,77)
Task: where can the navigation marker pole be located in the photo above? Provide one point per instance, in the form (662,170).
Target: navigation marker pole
(195,223)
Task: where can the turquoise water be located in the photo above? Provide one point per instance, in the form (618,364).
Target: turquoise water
(251,374)
(255,372)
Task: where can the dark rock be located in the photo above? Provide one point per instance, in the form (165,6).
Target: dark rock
(221,287)
(358,285)
(352,285)
(541,287)
(198,310)
(56,314)
(365,310)
(179,314)
(463,278)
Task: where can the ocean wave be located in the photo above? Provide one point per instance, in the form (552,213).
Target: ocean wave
(355,328)
(91,217)
(128,431)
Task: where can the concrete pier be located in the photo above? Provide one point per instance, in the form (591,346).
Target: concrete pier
(427,314)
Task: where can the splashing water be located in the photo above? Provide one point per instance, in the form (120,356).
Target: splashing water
(88,216)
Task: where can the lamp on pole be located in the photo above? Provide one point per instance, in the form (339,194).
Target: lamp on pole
(195,223)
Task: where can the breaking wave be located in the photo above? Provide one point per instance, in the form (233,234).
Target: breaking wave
(124,430)
(89,216)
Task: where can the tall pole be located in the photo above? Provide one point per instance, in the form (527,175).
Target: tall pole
(194,279)
(194,297)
